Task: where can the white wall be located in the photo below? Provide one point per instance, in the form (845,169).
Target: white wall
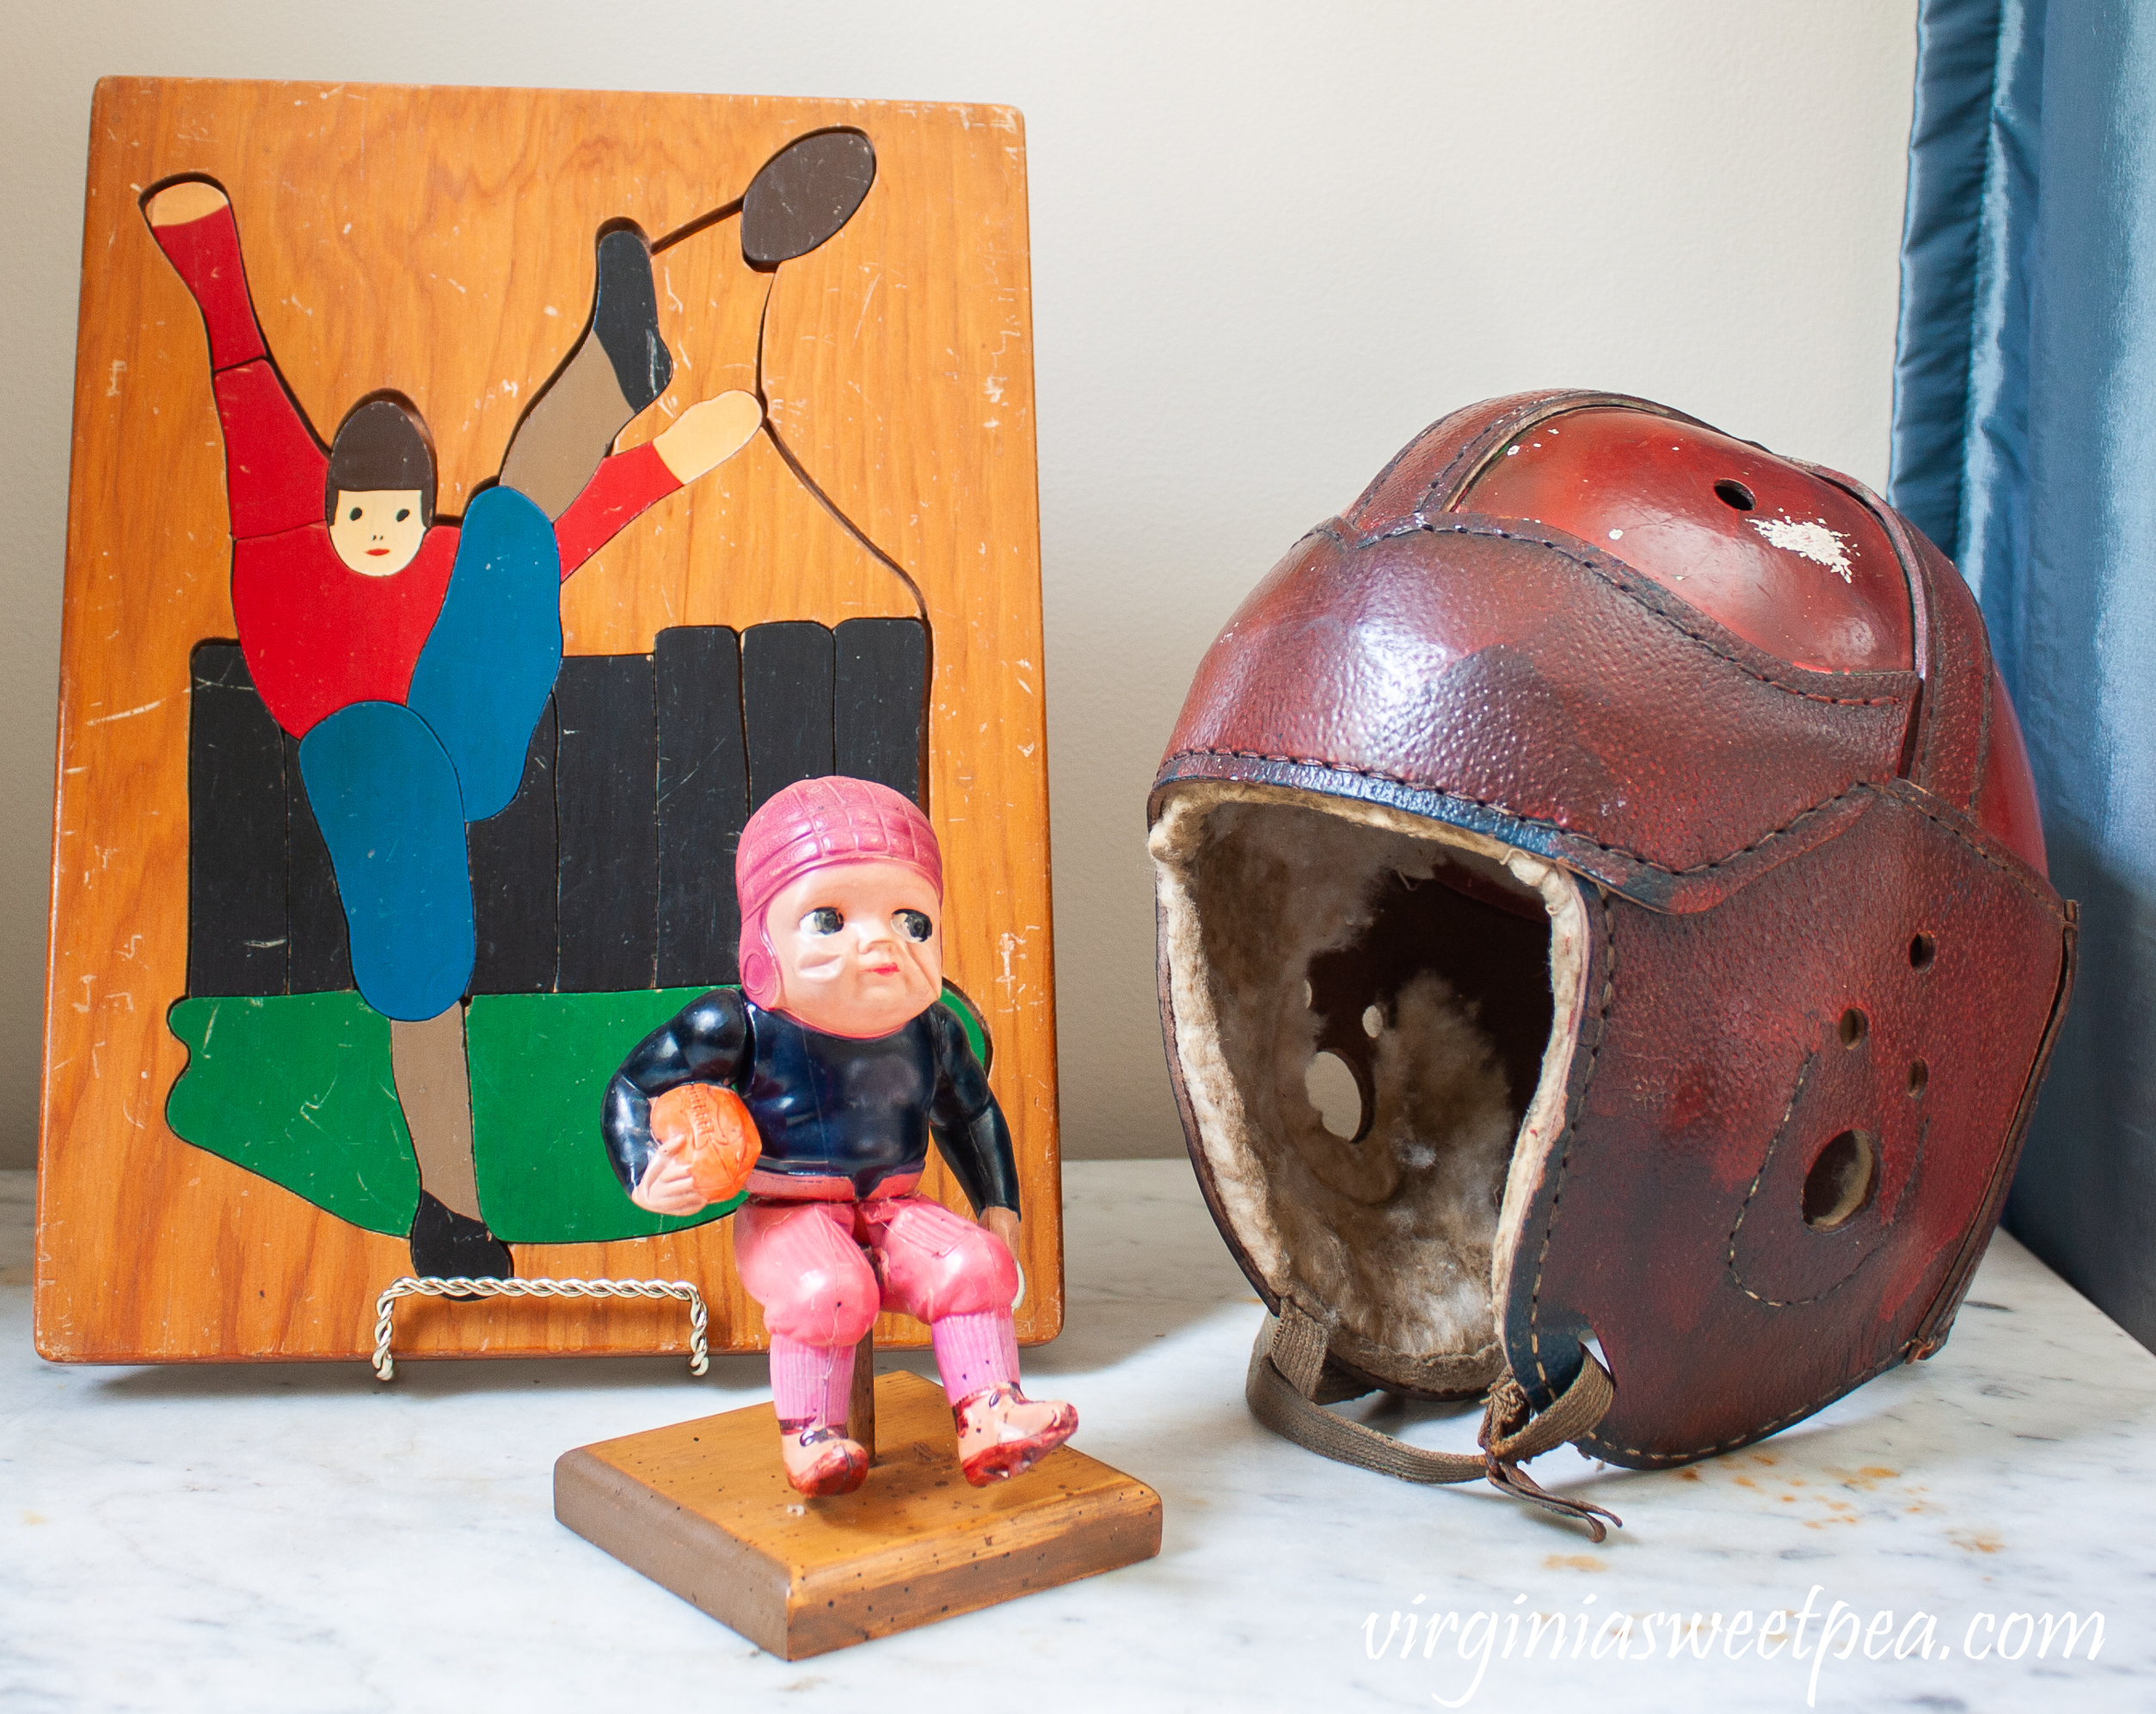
(1270,242)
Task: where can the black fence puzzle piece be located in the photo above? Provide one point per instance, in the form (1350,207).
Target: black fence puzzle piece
(703,803)
(515,891)
(238,922)
(879,702)
(606,789)
(320,957)
(787,670)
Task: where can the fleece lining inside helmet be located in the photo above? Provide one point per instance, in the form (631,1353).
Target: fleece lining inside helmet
(1374,1016)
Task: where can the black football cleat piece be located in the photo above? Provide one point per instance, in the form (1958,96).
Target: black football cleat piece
(448,1245)
(625,317)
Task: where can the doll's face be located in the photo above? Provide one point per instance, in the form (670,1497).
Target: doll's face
(376,531)
(860,947)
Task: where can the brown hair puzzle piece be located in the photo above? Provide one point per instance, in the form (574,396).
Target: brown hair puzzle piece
(653,365)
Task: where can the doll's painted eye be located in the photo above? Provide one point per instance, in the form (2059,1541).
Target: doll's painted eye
(403,513)
(913,924)
(824,919)
(352,517)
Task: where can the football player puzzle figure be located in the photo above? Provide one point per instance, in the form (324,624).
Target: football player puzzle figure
(816,1088)
(411,657)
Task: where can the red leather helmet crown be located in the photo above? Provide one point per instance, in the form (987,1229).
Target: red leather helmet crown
(1602,902)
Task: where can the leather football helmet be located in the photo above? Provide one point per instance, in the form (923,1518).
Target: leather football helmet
(1606,958)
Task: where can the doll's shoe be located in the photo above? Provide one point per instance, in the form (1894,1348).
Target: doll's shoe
(821,1459)
(1002,1432)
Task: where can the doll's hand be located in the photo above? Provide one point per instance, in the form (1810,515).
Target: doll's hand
(708,1127)
(1004,1224)
(667,1186)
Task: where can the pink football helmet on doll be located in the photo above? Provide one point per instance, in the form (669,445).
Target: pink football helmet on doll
(813,824)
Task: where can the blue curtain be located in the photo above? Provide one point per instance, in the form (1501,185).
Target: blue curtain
(2025,442)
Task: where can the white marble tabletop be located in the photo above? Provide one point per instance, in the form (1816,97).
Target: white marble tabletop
(302,1537)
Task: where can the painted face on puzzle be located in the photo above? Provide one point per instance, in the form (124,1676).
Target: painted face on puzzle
(860,947)
(376,531)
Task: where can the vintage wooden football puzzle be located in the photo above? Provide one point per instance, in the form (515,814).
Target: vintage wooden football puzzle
(703,1508)
(482,501)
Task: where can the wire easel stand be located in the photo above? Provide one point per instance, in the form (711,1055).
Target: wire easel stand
(680,1290)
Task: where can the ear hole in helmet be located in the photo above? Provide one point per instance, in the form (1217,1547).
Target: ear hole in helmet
(1733,495)
(1852,1027)
(1417,1014)
(1337,1096)
(1922,949)
(1840,1185)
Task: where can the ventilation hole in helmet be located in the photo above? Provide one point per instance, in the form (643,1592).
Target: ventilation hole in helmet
(1840,1182)
(1853,1025)
(1922,949)
(1920,1074)
(1733,495)
(1335,1093)
(1374,1021)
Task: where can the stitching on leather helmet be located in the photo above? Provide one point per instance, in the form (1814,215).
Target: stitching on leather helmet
(1860,789)
(1595,566)
(1908,1181)
(1893,1360)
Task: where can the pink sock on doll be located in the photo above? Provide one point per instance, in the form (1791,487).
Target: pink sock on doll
(974,1352)
(811,1382)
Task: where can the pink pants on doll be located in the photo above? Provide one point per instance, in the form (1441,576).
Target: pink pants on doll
(804,1263)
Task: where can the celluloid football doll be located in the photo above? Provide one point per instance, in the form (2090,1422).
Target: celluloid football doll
(817,1087)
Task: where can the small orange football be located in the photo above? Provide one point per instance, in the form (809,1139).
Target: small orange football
(711,1129)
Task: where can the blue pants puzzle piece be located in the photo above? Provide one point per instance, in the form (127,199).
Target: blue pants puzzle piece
(492,657)
(385,795)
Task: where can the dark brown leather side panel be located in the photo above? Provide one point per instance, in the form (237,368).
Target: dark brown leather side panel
(1938,1320)
(1672,1222)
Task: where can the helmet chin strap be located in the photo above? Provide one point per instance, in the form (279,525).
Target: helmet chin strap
(1287,1379)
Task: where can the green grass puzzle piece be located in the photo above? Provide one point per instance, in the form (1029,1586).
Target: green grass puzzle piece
(297,1088)
(540,1064)
(960,1006)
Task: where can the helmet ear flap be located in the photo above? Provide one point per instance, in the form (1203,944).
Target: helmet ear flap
(759,969)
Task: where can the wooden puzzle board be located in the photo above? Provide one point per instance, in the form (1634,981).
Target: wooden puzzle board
(440,241)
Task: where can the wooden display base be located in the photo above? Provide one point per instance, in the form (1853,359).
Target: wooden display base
(703,1508)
